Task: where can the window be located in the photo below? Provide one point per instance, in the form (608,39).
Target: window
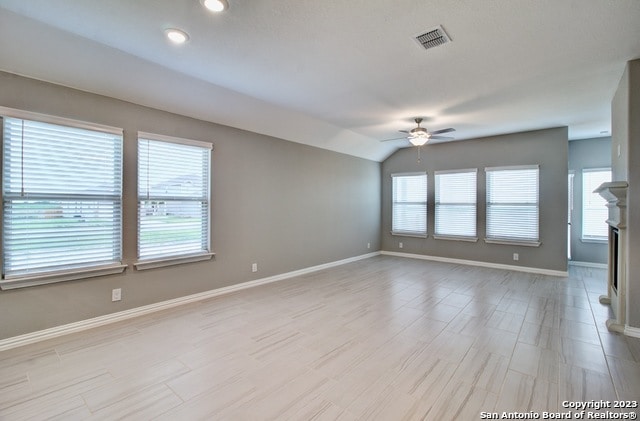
(173,200)
(569,211)
(62,198)
(594,206)
(512,204)
(409,212)
(456,203)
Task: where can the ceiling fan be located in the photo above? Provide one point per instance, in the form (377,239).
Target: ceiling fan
(418,136)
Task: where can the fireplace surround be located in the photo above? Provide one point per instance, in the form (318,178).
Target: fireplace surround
(615,193)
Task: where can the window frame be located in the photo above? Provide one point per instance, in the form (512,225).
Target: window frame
(77,271)
(169,260)
(512,240)
(593,238)
(570,208)
(445,236)
(394,203)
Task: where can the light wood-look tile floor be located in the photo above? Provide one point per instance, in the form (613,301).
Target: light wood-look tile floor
(384,338)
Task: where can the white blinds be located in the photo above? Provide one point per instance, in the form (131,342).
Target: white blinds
(409,210)
(61,197)
(455,209)
(512,203)
(594,206)
(173,198)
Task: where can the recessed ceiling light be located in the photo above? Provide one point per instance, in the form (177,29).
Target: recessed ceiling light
(215,5)
(176,35)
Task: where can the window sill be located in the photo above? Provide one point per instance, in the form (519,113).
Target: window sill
(512,242)
(456,238)
(594,240)
(23,281)
(408,234)
(171,261)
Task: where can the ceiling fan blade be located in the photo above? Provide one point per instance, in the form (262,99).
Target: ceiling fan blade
(395,138)
(403,131)
(444,131)
(441,137)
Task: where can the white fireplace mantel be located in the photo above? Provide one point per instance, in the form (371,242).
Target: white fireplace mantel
(615,193)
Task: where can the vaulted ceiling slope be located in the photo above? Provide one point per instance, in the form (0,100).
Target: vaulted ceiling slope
(340,75)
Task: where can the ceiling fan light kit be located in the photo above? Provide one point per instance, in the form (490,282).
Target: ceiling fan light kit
(418,141)
(419,136)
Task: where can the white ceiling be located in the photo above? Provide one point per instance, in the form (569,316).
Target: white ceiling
(339,75)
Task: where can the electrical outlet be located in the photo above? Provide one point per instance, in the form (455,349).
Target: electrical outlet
(254,267)
(116,294)
(400,245)
(368,245)
(516,256)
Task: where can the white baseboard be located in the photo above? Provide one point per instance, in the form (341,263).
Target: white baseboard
(632,331)
(478,263)
(58,331)
(588,264)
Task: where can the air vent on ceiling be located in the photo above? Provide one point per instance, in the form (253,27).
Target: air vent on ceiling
(433,37)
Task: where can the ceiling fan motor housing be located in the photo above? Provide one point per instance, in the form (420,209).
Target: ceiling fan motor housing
(419,132)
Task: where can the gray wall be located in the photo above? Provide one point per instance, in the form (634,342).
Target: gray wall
(548,148)
(284,205)
(625,134)
(586,153)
